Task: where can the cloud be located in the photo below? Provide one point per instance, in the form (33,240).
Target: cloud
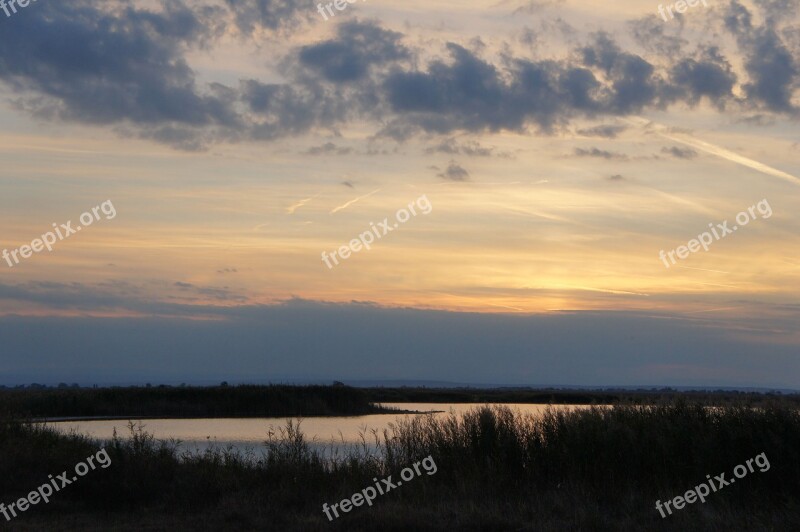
(680,153)
(117,295)
(102,67)
(634,82)
(358,47)
(654,36)
(454,172)
(604,131)
(283,110)
(352,201)
(596,152)
(773,72)
(713,149)
(251,343)
(219,294)
(329,148)
(536,6)
(274,15)
(451,146)
(118,65)
(709,75)
(70,296)
(758,119)
(471,94)
(772,68)
(293,207)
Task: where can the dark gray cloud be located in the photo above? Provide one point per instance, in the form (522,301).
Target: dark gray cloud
(252,343)
(454,172)
(331,83)
(357,47)
(709,75)
(773,70)
(70,296)
(220,294)
(604,131)
(116,64)
(634,83)
(679,153)
(75,61)
(282,110)
(435,94)
(114,295)
(329,148)
(737,18)
(275,15)
(597,152)
(470,148)
(471,94)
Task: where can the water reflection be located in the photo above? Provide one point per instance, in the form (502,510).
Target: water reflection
(326,434)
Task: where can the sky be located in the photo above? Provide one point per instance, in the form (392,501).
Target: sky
(508,192)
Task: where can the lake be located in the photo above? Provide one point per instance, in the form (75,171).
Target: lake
(197,435)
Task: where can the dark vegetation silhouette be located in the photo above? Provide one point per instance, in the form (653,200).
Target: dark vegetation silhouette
(572,397)
(191,402)
(40,402)
(596,469)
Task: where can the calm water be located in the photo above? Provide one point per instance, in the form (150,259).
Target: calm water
(243,434)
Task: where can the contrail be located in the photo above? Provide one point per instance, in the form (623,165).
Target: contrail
(292,208)
(715,150)
(602,290)
(346,205)
(701,269)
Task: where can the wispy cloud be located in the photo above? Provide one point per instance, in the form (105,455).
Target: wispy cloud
(701,269)
(292,208)
(352,201)
(712,149)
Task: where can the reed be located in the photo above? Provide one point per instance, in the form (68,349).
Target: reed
(600,468)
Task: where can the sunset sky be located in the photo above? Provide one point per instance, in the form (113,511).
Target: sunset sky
(561,144)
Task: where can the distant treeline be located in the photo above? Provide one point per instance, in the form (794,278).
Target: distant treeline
(219,401)
(337,400)
(568,397)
